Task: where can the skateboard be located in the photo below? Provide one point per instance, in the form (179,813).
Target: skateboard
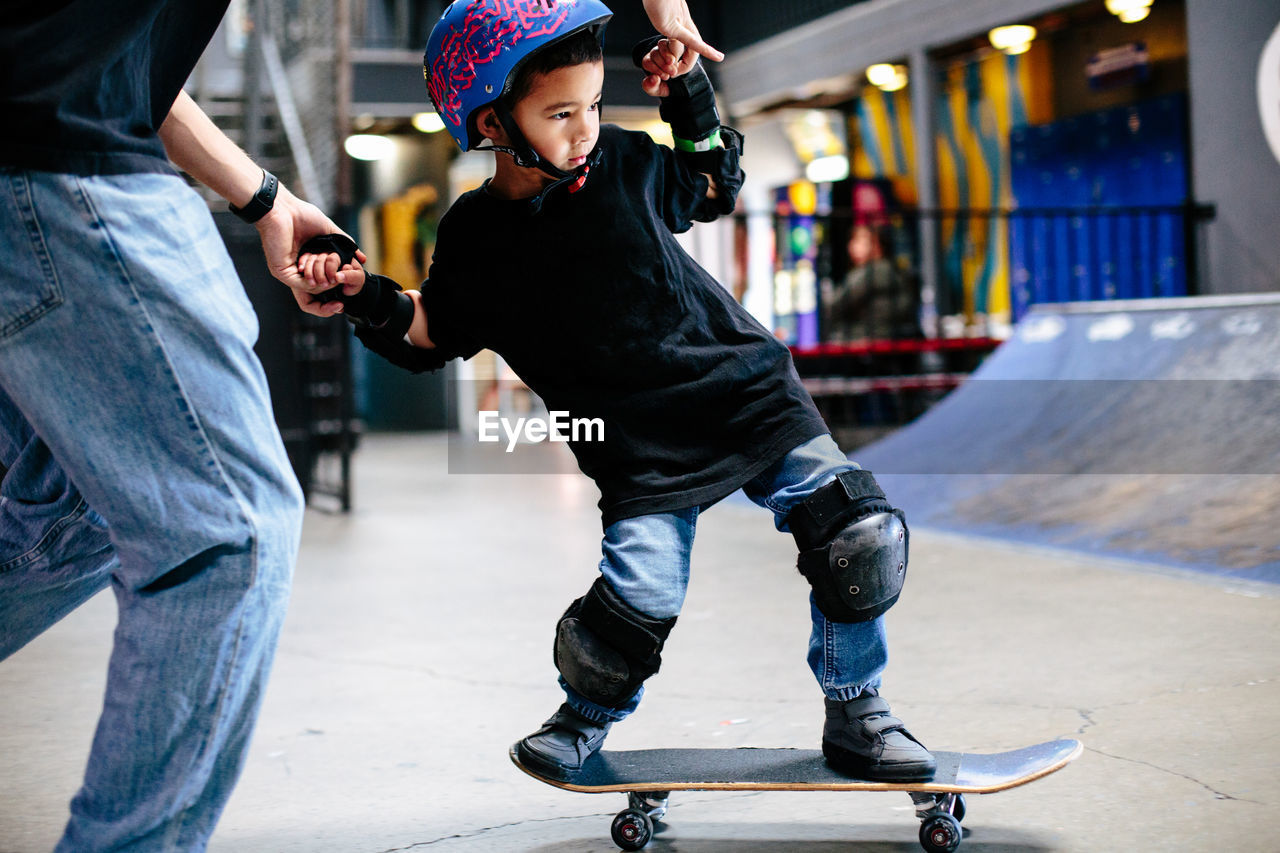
(648,776)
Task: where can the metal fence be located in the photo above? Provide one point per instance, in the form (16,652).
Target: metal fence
(272,81)
(964,272)
(897,331)
(394,24)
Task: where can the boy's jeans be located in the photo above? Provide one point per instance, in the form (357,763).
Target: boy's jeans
(646,559)
(138,450)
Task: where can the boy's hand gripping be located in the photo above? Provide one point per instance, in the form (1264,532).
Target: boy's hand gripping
(329,260)
(688,101)
(372,301)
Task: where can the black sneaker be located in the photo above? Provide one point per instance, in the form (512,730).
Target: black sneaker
(563,743)
(862,739)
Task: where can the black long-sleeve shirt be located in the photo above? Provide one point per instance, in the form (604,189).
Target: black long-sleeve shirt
(85,85)
(592,302)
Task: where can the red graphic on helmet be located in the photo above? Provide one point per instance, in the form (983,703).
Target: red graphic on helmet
(485,31)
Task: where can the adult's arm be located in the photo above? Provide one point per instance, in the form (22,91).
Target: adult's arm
(196,145)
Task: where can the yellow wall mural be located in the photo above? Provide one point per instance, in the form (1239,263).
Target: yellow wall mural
(981,99)
(885,141)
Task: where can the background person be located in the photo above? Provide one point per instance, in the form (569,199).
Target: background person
(876,299)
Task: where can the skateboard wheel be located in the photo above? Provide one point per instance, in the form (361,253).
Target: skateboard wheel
(940,833)
(632,829)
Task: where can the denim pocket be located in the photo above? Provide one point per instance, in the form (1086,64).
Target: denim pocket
(31,289)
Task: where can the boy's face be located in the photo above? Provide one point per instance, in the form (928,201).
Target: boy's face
(560,117)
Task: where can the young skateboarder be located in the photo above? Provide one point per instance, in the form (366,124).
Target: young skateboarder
(565,264)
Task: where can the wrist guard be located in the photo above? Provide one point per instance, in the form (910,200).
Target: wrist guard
(690,108)
(380,305)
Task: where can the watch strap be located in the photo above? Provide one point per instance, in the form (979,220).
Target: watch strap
(262,201)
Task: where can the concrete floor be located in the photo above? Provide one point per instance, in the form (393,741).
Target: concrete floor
(417,650)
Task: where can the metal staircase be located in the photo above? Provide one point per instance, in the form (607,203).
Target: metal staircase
(276,101)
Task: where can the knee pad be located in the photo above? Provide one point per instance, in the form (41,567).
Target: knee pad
(853,548)
(605,648)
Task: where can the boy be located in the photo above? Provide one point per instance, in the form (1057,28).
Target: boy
(565,264)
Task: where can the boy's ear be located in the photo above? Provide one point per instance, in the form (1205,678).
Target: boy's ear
(489,126)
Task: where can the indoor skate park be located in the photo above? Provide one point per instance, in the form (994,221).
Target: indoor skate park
(1071,387)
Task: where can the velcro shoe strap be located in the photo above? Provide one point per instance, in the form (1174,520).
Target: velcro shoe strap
(880,725)
(859,708)
(569,723)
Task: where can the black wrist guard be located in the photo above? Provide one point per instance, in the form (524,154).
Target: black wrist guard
(690,108)
(380,305)
(331,244)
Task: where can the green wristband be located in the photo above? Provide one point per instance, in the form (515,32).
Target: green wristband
(712,141)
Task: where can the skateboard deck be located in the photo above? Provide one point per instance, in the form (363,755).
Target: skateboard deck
(647,776)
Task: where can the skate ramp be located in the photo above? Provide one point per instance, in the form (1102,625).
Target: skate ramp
(1147,430)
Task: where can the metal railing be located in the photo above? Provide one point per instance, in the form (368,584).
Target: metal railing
(394,24)
(914,327)
(987,263)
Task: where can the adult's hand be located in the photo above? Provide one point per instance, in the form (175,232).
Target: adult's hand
(672,19)
(289,224)
(203,151)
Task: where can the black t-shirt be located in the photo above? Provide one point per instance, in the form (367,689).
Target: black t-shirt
(84,85)
(592,302)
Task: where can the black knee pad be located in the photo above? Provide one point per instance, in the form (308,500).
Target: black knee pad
(605,648)
(853,548)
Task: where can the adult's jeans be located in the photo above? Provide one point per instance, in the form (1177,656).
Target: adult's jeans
(139,451)
(646,559)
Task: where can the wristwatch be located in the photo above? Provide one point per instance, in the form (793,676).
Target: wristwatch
(262,200)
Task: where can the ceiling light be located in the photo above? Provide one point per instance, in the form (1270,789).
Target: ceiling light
(880,73)
(1119,7)
(1013,39)
(368,146)
(888,78)
(828,169)
(1129,11)
(428,122)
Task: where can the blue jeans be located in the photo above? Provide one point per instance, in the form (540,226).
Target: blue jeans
(646,559)
(138,450)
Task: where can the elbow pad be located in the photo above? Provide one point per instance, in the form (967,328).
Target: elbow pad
(690,108)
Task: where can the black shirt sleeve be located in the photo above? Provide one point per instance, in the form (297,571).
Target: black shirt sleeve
(683,193)
(446,323)
(451,318)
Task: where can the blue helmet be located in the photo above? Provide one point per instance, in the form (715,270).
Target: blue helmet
(477,45)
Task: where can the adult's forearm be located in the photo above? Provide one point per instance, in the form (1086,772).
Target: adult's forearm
(196,145)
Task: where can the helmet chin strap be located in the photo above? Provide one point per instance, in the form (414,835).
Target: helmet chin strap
(520,149)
